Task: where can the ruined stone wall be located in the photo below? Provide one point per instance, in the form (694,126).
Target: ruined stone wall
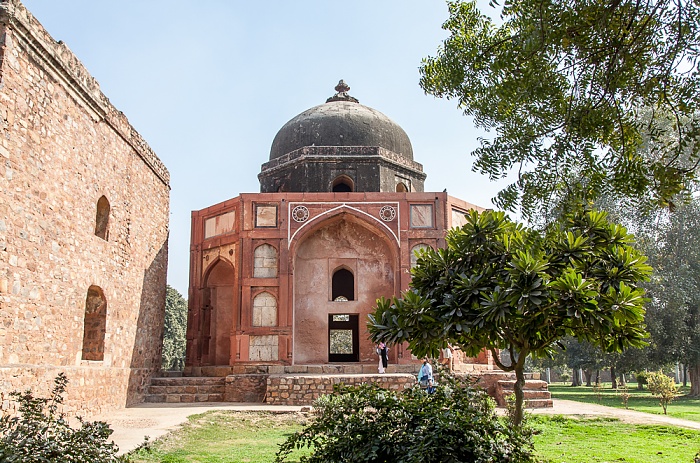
(63,146)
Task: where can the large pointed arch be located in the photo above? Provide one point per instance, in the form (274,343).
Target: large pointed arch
(343,239)
(218,308)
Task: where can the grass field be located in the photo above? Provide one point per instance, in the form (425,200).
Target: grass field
(249,437)
(684,407)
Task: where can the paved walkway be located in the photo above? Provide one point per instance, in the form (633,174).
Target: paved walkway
(132,424)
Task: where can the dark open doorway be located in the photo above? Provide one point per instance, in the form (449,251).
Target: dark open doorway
(343,338)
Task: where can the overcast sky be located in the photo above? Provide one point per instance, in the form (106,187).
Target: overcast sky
(209,83)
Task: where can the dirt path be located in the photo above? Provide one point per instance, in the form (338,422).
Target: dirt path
(569,407)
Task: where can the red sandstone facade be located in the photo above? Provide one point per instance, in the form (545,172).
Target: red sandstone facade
(263,265)
(83,229)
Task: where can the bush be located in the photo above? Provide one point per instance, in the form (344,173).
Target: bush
(663,387)
(40,433)
(641,377)
(368,424)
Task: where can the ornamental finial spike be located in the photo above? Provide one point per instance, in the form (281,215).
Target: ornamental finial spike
(342,87)
(342,90)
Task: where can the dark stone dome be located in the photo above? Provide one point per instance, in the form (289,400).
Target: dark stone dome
(341,121)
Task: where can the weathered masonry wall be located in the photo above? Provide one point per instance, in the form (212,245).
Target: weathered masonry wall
(84,206)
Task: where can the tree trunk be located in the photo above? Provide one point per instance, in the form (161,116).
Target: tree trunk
(614,377)
(588,374)
(694,373)
(597,377)
(575,377)
(623,380)
(685,374)
(519,394)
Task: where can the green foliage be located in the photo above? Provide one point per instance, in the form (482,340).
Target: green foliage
(663,387)
(641,377)
(368,424)
(585,97)
(42,434)
(500,285)
(175,330)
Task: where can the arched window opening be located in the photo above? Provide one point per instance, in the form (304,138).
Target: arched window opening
(95,324)
(343,285)
(343,184)
(264,310)
(102,218)
(265,261)
(401,188)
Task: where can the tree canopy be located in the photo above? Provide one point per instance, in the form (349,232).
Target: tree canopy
(175,330)
(584,97)
(674,321)
(500,285)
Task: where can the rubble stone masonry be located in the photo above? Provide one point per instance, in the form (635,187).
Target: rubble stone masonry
(63,149)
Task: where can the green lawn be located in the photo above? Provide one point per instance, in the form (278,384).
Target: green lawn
(238,437)
(683,407)
(224,437)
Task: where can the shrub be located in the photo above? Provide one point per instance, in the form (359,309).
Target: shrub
(663,387)
(624,395)
(641,377)
(564,377)
(40,433)
(369,424)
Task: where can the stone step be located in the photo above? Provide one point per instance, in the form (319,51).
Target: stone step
(185,390)
(538,403)
(183,398)
(529,384)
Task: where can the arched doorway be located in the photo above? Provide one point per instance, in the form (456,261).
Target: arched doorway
(218,306)
(343,252)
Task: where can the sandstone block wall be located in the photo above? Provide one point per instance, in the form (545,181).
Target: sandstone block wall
(304,390)
(63,146)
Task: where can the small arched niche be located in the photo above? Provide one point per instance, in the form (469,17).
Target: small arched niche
(264,310)
(95,324)
(265,261)
(102,218)
(401,188)
(343,184)
(343,285)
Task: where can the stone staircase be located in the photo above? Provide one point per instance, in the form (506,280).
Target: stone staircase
(535,392)
(186,390)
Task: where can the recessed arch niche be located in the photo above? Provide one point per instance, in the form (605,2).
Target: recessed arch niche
(368,252)
(218,308)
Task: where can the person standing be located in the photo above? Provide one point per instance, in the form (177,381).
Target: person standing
(448,357)
(425,376)
(383,352)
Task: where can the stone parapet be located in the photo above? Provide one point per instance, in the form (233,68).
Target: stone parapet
(59,60)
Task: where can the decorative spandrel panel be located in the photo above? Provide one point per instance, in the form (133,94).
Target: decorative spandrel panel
(382,214)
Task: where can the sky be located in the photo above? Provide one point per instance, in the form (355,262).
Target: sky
(209,83)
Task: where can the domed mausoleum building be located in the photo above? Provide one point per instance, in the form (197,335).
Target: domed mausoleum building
(282,281)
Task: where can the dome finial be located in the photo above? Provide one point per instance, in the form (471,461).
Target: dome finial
(342,90)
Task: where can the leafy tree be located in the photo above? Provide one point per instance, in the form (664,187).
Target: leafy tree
(663,387)
(175,332)
(369,424)
(500,285)
(674,311)
(585,97)
(39,433)
(587,357)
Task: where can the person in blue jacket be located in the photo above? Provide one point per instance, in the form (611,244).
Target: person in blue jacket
(425,376)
